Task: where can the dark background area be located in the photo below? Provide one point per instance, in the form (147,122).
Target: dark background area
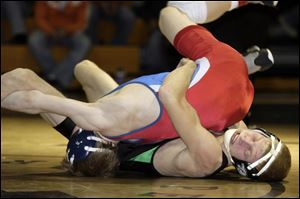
(276,90)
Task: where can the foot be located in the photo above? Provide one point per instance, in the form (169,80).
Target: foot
(263,57)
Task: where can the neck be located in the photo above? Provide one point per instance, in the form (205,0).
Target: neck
(221,141)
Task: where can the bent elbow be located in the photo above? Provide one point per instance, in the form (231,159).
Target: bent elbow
(166,94)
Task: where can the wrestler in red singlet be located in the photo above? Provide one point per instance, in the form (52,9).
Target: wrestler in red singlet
(220,90)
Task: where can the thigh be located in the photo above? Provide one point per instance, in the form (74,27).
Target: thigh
(171,21)
(195,42)
(216,9)
(95,82)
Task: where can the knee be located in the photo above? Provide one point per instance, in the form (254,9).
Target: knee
(196,11)
(81,67)
(21,72)
(163,15)
(17,74)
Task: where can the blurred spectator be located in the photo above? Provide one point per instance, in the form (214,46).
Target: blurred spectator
(119,12)
(285,29)
(16,12)
(61,23)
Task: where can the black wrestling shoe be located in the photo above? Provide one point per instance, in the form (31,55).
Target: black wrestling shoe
(264,59)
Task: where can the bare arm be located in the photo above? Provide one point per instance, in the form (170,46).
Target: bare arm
(85,115)
(203,148)
(239,125)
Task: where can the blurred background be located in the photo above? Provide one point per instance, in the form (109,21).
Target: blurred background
(122,37)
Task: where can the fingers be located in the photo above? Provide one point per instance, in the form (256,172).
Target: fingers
(84,64)
(185,61)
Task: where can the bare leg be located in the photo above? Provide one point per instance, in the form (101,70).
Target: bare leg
(132,107)
(95,82)
(171,21)
(196,12)
(215,9)
(24,79)
(258,60)
(202,12)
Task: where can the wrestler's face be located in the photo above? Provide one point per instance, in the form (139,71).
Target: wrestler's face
(248,145)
